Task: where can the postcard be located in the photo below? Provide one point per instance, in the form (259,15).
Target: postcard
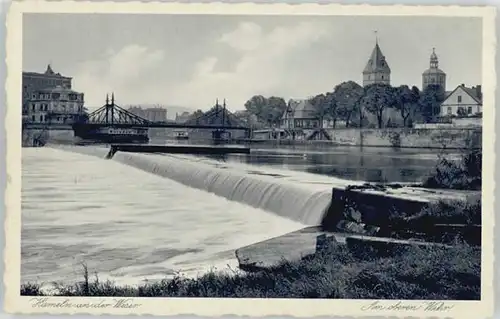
(250,159)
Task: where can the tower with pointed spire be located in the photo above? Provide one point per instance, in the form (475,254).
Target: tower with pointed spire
(377,69)
(433,75)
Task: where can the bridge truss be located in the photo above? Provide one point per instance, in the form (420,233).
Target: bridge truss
(112,114)
(219,116)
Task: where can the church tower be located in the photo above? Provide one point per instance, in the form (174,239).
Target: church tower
(377,70)
(433,75)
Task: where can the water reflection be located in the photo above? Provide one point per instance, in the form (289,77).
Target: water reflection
(372,164)
(368,164)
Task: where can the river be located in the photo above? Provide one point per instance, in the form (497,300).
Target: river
(129,225)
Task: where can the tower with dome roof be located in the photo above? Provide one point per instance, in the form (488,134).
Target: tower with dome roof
(434,75)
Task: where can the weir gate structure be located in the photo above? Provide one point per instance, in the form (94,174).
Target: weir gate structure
(111,123)
(334,211)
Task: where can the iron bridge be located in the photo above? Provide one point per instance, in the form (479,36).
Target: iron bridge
(112,115)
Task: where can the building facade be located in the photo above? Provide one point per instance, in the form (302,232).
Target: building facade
(433,75)
(463,102)
(183,117)
(299,114)
(48,98)
(58,105)
(377,70)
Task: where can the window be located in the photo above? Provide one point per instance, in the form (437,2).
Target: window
(459,99)
(461,111)
(41,118)
(33,106)
(469,110)
(449,110)
(382,77)
(33,118)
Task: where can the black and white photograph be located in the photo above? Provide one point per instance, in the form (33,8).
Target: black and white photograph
(263,156)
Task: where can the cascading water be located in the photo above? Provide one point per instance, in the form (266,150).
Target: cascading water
(298,196)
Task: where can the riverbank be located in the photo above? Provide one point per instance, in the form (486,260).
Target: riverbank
(432,274)
(414,272)
(426,138)
(421,138)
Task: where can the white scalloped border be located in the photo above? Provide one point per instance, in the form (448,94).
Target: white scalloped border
(239,307)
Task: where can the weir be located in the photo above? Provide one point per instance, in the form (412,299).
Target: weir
(307,198)
(349,212)
(177,149)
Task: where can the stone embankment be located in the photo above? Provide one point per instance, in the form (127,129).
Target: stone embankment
(362,218)
(435,138)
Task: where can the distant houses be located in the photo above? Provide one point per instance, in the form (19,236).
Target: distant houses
(183,117)
(463,102)
(153,114)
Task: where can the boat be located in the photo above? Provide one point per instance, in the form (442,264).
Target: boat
(110,134)
(181,134)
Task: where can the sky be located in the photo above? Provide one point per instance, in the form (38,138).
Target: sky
(189,61)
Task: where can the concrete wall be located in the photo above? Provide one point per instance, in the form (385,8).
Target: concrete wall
(455,123)
(423,138)
(47,136)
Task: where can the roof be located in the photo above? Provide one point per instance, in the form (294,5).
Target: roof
(300,109)
(48,72)
(377,62)
(59,89)
(472,92)
(434,71)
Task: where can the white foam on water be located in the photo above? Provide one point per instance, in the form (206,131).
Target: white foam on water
(299,196)
(125,224)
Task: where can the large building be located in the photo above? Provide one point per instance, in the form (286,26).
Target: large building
(54,105)
(48,98)
(433,75)
(377,69)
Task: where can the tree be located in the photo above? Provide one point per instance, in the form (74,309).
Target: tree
(324,106)
(276,107)
(430,101)
(378,97)
(406,101)
(268,110)
(196,115)
(347,96)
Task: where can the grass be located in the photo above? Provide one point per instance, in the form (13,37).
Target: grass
(415,273)
(464,175)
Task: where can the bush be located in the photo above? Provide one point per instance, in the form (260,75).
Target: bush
(465,175)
